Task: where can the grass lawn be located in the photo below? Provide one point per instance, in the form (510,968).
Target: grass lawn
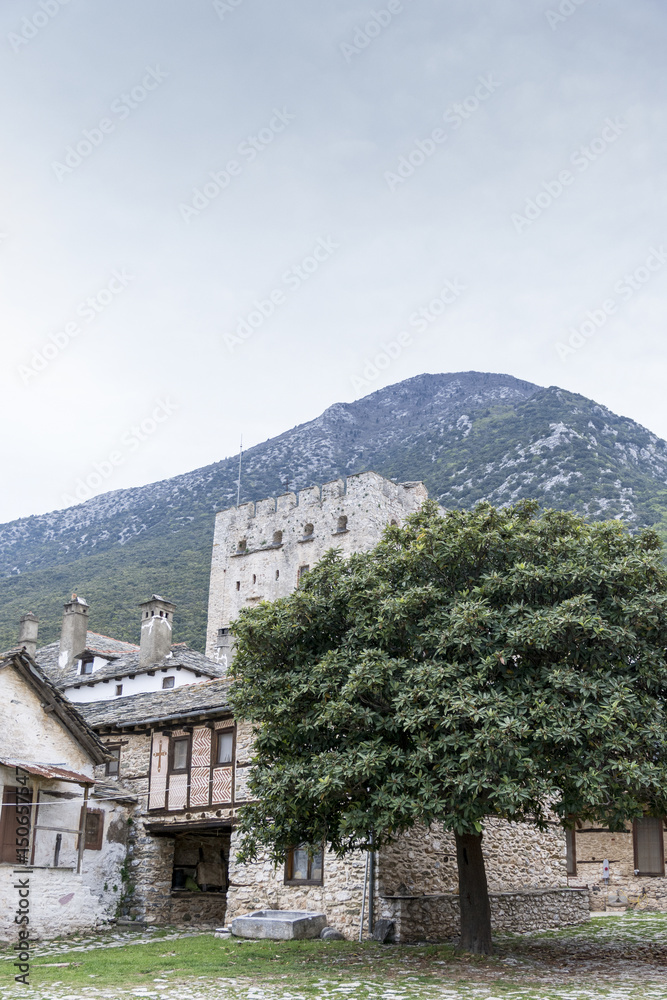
(611,957)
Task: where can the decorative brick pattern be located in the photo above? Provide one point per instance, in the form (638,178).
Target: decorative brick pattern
(222,785)
(201,747)
(199,786)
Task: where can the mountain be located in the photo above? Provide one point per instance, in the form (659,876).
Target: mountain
(469,436)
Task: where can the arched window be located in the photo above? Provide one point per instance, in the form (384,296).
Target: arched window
(277,538)
(308,530)
(342,523)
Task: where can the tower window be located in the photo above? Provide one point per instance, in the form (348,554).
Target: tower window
(308,530)
(303,570)
(254,578)
(243,545)
(342,523)
(277,574)
(277,538)
(238,584)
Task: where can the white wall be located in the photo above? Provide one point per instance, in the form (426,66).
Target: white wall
(139,684)
(28,733)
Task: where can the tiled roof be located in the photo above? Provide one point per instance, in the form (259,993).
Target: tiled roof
(124,664)
(211,697)
(54,702)
(101,645)
(111,791)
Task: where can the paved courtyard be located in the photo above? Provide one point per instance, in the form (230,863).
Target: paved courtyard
(615,957)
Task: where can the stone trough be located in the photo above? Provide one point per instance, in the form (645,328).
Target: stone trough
(279,925)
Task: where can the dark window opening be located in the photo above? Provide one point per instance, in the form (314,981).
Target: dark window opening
(277,574)
(119,690)
(238,584)
(277,538)
(649,846)
(168,682)
(112,768)
(243,545)
(201,862)
(342,523)
(254,578)
(303,570)
(308,530)
(303,867)
(571,852)
(86,666)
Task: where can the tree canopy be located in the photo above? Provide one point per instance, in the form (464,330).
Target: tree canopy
(498,663)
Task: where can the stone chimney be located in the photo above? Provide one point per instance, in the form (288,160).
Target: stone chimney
(157,617)
(28,633)
(73,638)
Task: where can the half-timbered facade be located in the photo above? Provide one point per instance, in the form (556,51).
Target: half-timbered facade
(177,753)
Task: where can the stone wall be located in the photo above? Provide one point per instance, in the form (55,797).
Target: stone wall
(249,564)
(517,855)
(60,903)
(27,718)
(94,893)
(261,886)
(593,847)
(435,918)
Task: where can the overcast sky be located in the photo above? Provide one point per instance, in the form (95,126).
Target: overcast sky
(215,216)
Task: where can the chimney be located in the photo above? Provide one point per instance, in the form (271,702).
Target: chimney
(224,648)
(73,638)
(28,633)
(157,617)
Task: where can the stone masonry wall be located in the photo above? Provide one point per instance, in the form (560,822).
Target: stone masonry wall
(261,886)
(435,918)
(248,565)
(60,903)
(592,848)
(517,856)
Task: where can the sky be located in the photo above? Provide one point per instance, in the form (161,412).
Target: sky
(219,217)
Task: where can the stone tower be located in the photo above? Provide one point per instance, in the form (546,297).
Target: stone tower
(260,550)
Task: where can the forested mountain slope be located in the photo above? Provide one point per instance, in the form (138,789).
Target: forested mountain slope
(469,436)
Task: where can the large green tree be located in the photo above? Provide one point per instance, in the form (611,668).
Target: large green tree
(493,663)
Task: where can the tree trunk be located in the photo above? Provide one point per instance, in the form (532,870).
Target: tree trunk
(473,895)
